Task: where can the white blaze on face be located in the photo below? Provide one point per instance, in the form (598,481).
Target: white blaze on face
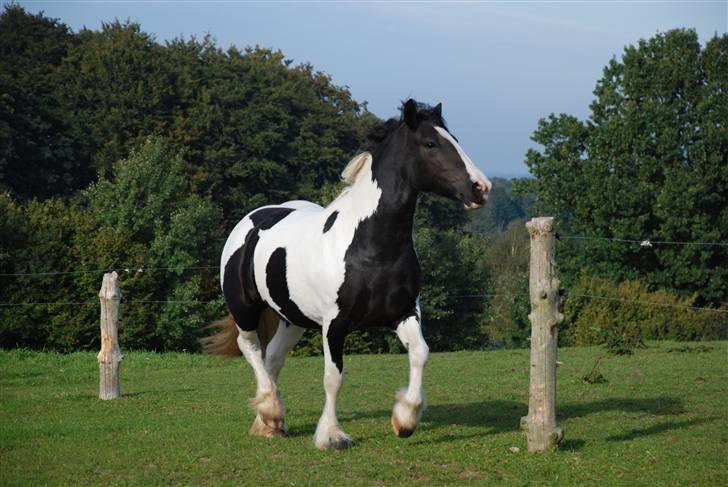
(476,175)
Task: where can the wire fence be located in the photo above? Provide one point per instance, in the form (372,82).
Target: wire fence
(136,270)
(120,270)
(453,296)
(647,243)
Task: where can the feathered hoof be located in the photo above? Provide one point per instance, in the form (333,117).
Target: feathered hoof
(341,443)
(406,416)
(332,438)
(399,430)
(268,428)
(270,414)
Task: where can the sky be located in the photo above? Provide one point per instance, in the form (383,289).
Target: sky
(496,66)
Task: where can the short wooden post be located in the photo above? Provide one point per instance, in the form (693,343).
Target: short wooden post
(110,355)
(540,424)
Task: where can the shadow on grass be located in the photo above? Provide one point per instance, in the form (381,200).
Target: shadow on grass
(658,428)
(658,406)
(497,416)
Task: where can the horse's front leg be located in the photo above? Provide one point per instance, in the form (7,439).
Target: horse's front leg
(328,433)
(411,401)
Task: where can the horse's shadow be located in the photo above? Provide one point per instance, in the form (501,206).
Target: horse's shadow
(485,418)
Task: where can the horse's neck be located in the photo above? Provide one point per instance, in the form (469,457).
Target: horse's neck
(384,202)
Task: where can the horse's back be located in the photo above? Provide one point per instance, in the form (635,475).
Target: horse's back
(248,258)
(267,217)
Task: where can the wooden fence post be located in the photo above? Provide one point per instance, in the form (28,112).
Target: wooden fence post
(540,424)
(110,355)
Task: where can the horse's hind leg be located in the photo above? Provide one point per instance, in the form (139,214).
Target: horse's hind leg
(269,410)
(411,401)
(283,341)
(285,337)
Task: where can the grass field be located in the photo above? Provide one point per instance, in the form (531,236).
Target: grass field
(661,419)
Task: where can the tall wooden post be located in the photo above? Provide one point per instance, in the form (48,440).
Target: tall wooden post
(110,355)
(540,424)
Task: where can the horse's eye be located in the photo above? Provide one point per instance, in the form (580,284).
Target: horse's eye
(430,144)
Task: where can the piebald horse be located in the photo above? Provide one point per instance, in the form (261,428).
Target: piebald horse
(346,267)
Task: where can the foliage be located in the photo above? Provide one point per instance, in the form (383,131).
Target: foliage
(175,231)
(597,311)
(255,128)
(117,151)
(594,376)
(145,217)
(622,344)
(507,259)
(452,275)
(183,419)
(260,130)
(35,240)
(504,206)
(649,163)
(37,147)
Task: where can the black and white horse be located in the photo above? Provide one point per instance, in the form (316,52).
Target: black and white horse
(349,266)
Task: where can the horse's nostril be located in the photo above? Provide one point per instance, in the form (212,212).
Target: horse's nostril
(480,187)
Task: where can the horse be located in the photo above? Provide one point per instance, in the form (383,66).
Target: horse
(349,266)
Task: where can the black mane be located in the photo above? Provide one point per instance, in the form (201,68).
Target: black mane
(379,132)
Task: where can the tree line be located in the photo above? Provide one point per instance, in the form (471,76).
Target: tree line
(117,151)
(121,152)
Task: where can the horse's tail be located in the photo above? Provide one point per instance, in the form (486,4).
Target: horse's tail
(225,341)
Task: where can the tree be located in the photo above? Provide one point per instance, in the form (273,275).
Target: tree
(37,156)
(259,130)
(147,201)
(142,219)
(507,262)
(650,163)
(117,89)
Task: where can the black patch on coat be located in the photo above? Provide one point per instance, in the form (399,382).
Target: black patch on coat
(238,286)
(336,338)
(266,218)
(330,221)
(275,272)
(382,278)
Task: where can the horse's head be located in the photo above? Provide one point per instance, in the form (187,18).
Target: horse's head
(438,164)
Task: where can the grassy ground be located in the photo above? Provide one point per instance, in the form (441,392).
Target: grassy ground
(661,419)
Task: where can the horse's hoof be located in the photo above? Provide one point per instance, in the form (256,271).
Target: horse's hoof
(343,443)
(270,428)
(335,440)
(399,430)
(276,432)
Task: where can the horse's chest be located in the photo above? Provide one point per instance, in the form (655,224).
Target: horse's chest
(379,295)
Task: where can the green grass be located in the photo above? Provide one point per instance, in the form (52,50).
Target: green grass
(661,419)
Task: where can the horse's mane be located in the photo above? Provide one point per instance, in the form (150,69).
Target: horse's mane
(354,167)
(379,132)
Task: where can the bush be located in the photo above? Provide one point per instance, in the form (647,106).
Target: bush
(143,218)
(598,311)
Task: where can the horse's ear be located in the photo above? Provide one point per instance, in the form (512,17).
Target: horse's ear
(410,114)
(438,110)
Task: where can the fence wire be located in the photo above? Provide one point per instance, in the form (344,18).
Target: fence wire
(454,296)
(119,270)
(643,243)
(137,270)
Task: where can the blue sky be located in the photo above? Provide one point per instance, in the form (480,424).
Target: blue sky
(497,66)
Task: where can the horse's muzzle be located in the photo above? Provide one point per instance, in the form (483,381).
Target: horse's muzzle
(480,192)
